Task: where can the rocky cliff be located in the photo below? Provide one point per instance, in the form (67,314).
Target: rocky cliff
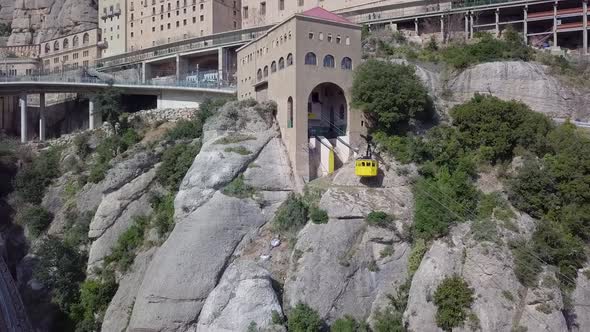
(36,21)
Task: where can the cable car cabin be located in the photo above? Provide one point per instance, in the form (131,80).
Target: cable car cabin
(366,167)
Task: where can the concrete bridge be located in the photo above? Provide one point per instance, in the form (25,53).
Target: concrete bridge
(13,317)
(169,94)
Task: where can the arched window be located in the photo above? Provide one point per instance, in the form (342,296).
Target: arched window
(56,46)
(290,112)
(75,41)
(347,63)
(259,75)
(273,67)
(47,48)
(289,59)
(281,63)
(265,71)
(66,44)
(329,61)
(86,39)
(310,59)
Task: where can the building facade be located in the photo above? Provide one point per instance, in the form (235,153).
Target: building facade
(112,22)
(70,52)
(305,64)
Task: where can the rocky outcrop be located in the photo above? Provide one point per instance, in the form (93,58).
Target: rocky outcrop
(244,295)
(580,298)
(34,22)
(346,267)
(210,226)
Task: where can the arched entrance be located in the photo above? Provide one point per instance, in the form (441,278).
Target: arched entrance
(327,111)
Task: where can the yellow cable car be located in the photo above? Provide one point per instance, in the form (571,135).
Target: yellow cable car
(366,167)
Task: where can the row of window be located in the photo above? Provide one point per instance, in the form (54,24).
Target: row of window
(262,8)
(329,61)
(273,67)
(66,43)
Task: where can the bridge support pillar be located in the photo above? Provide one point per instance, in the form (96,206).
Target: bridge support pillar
(42,118)
(220,63)
(22,102)
(466,26)
(585,27)
(497,22)
(94,118)
(525,25)
(442,29)
(416,27)
(555,25)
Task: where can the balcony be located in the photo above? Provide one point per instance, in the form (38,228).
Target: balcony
(102,44)
(117,12)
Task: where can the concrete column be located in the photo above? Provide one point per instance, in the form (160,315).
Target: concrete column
(416,26)
(497,22)
(22,101)
(471,25)
(466,26)
(42,132)
(220,59)
(585,25)
(442,28)
(177,67)
(555,25)
(525,25)
(92,116)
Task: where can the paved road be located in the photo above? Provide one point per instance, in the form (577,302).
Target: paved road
(13,317)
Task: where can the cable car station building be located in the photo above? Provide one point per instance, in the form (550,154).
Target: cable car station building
(305,64)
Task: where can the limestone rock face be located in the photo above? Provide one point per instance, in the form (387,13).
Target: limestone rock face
(243,295)
(522,81)
(580,297)
(36,21)
(210,226)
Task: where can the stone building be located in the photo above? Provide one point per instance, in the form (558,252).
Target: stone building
(305,64)
(70,52)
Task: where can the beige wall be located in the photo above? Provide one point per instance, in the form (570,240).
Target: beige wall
(298,80)
(70,52)
(113,24)
(18,67)
(273,13)
(157,22)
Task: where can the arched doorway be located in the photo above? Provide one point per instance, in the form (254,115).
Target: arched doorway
(327,111)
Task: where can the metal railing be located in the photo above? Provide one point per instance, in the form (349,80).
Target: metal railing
(81,76)
(187,45)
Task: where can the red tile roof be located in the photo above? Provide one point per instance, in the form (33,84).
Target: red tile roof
(323,14)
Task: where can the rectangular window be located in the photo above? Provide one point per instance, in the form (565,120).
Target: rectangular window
(300,3)
(281,4)
(194,20)
(245,11)
(263,8)
(202,18)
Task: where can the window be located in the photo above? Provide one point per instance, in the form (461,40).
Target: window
(329,61)
(75,56)
(263,8)
(66,44)
(202,18)
(194,20)
(85,53)
(85,39)
(259,75)
(290,112)
(265,71)
(273,67)
(56,46)
(310,59)
(329,38)
(47,48)
(131,34)
(300,3)
(338,39)
(281,63)
(281,4)
(245,11)
(347,40)
(321,36)
(310,35)
(346,63)
(85,63)
(289,59)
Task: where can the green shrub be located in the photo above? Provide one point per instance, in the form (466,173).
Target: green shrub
(124,251)
(419,248)
(107,102)
(387,251)
(239,188)
(405,149)
(453,298)
(77,225)
(98,172)
(32,181)
(380,219)
(129,138)
(277,318)
(60,268)
(291,215)
(348,324)
(389,95)
(81,145)
(526,269)
(239,150)
(494,205)
(37,219)
(95,296)
(163,215)
(318,216)
(186,129)
(441,201)
(176,162)
(388,320)
(302,318)
(484,230)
